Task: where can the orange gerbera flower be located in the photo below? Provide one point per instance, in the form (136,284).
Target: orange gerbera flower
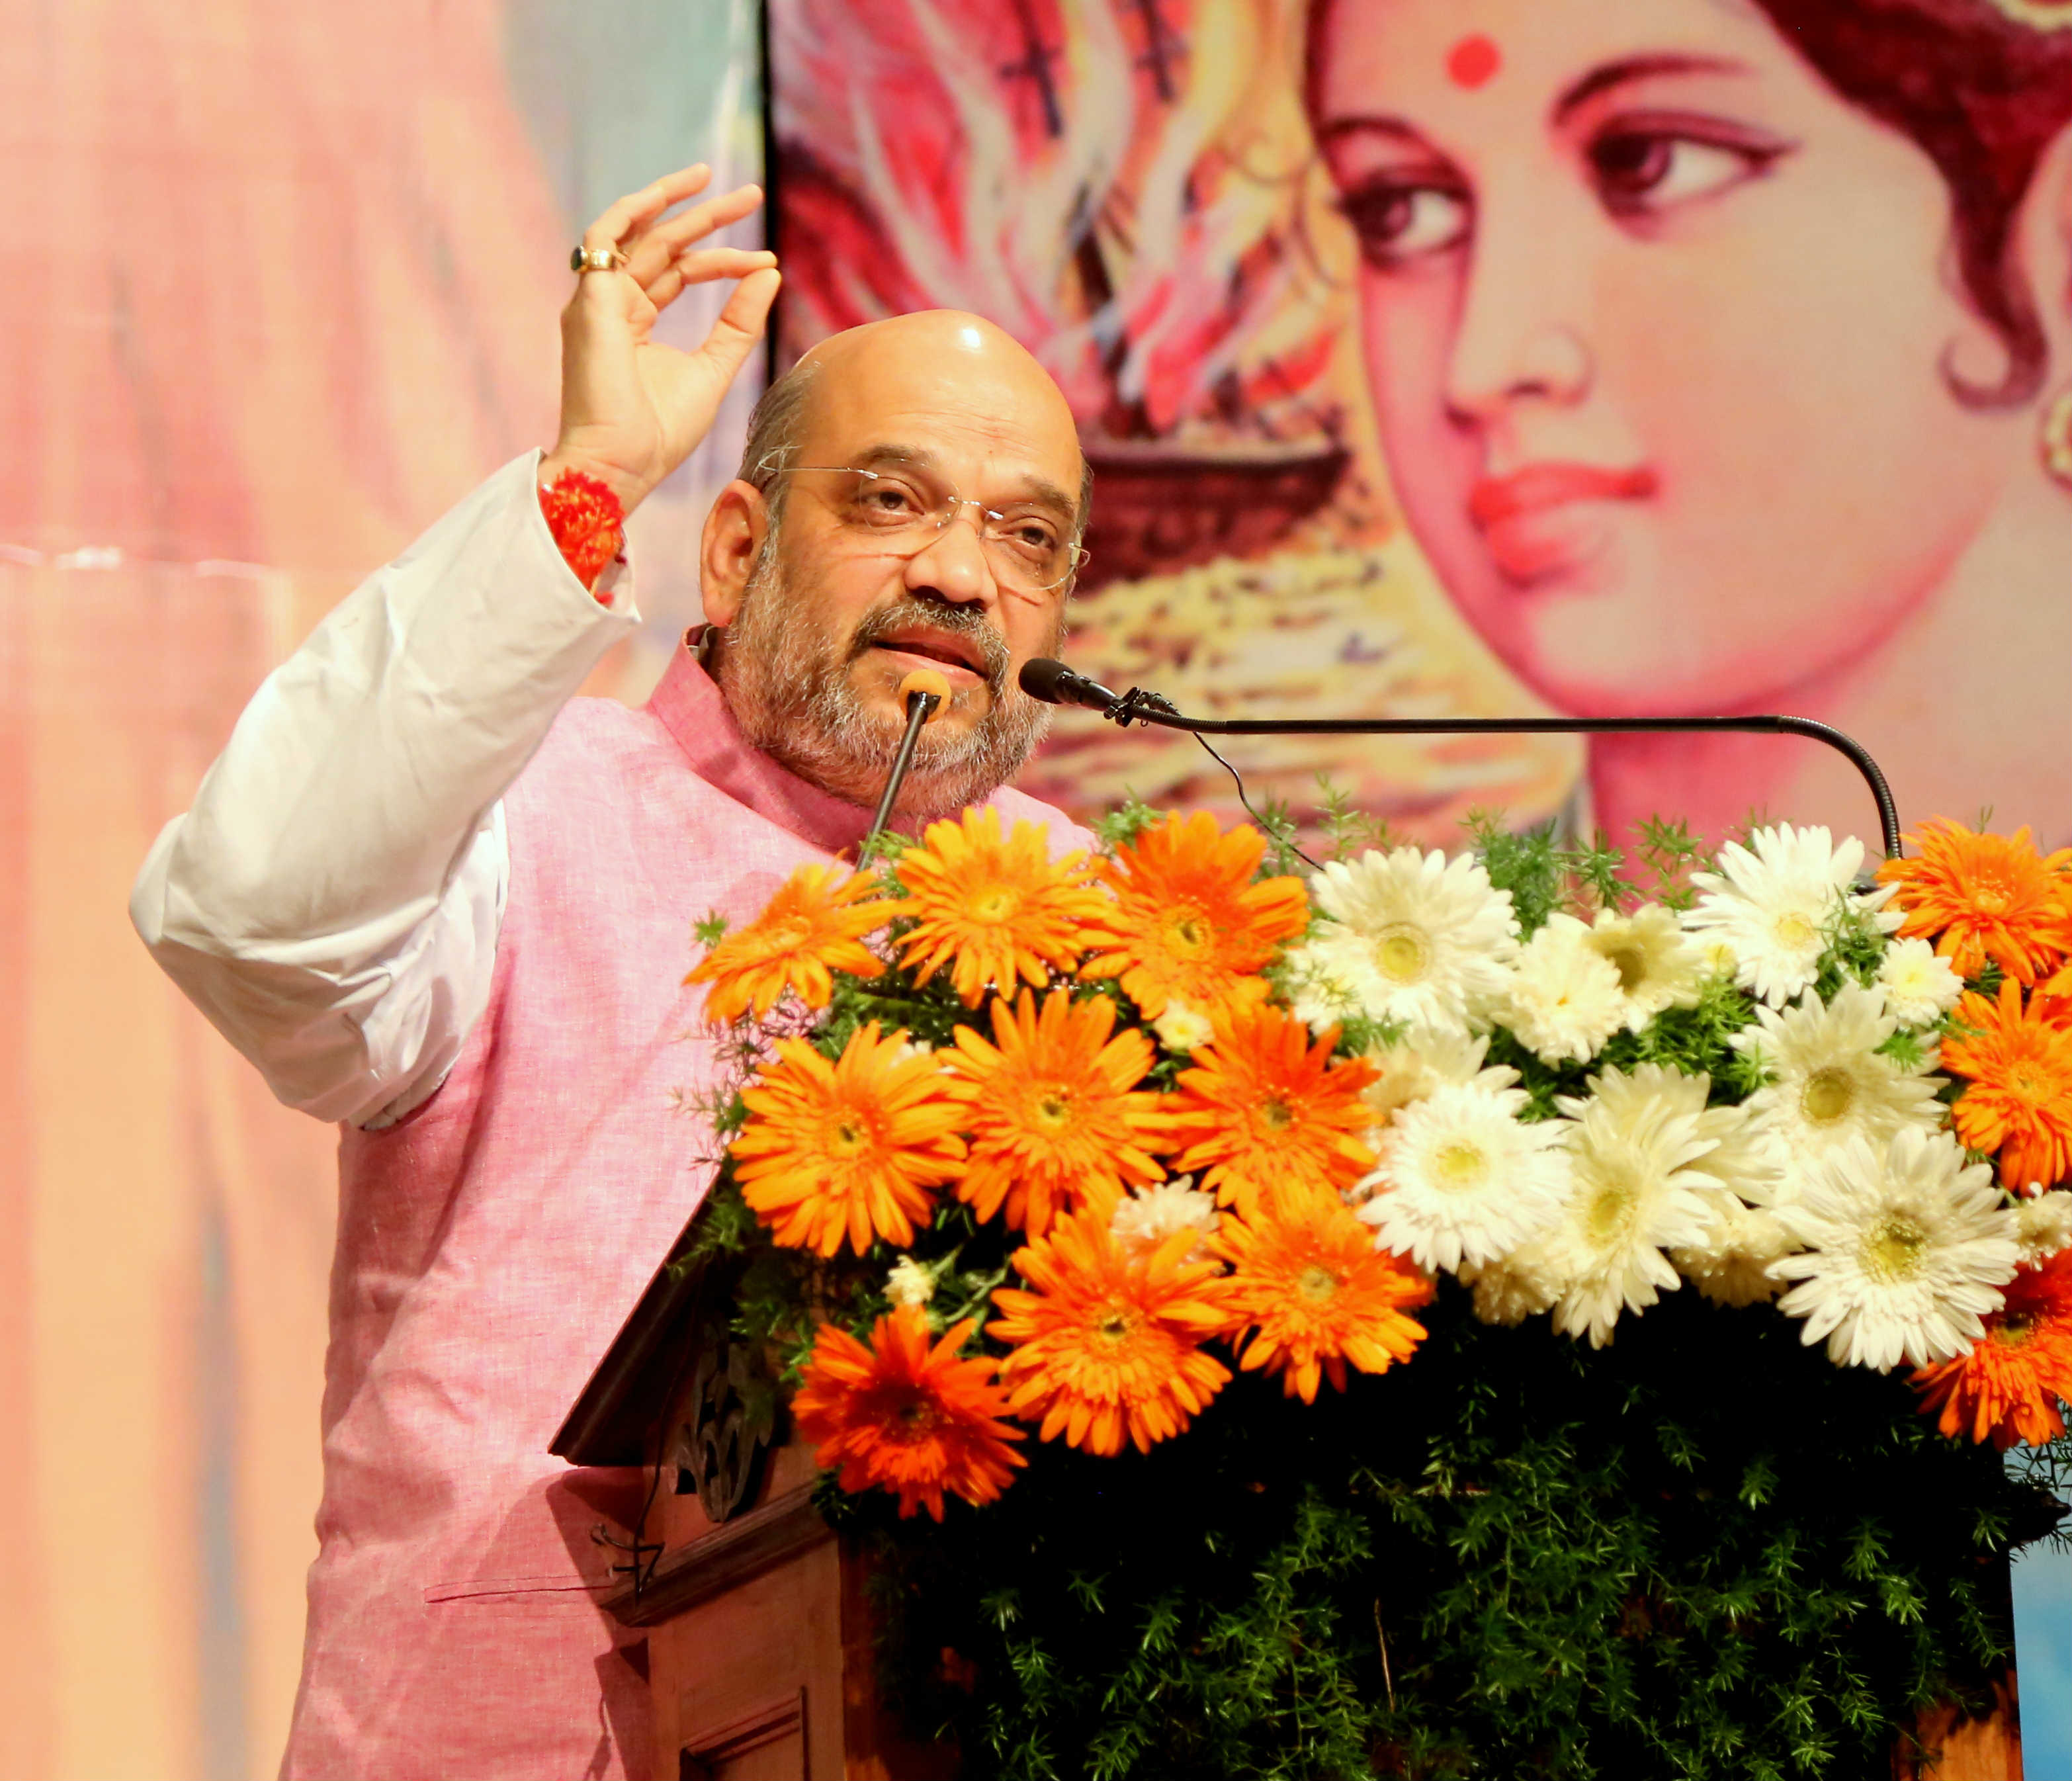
(2052,998)
(2018,1105)
(848,1148)
(1985,896)
(814,925)
(1305,1276)
(906,1416)
(2011,1385)
(1264,1109)
(1054,1118)
(1107,1347)
(1187,924)
(999,910)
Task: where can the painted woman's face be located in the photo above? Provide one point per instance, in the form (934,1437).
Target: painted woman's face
(1657,328)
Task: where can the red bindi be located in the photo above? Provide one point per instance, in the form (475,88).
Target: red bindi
(1473,61)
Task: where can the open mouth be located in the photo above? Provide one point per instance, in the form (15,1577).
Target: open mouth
(942,648)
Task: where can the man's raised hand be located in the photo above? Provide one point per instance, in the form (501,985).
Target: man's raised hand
(633,409)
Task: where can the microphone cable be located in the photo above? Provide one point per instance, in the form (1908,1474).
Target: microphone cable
(1267,828)
(1049,679)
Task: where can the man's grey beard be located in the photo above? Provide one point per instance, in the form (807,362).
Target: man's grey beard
(787,684)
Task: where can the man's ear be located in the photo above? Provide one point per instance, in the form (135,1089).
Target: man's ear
(735,529)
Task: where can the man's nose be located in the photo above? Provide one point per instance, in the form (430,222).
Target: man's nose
(953,563)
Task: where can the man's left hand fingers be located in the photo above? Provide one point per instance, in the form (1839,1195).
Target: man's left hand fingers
(648,250)
(637,209)
(704,266)
(740,323)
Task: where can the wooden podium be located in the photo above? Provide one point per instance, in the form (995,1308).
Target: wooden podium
(760,1640)
(760,1644)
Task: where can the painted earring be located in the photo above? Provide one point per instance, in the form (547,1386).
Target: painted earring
(2055,438)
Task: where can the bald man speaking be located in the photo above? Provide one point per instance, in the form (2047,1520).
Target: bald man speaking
(434,898)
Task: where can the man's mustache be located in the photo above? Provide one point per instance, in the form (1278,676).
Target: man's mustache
(960,621)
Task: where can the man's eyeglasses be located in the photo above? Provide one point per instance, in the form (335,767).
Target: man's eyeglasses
(1029,551)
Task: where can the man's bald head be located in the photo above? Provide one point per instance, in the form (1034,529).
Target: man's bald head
(931,334)
(943,360)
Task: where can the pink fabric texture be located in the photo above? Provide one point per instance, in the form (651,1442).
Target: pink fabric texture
(489,1246)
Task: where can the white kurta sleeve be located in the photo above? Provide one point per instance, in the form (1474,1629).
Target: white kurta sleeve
(331,901)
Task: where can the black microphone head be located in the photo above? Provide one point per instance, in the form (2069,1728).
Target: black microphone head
(1046,679)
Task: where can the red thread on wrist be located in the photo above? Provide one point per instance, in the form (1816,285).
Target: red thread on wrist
(588,523)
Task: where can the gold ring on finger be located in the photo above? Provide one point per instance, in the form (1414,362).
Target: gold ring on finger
(590,259)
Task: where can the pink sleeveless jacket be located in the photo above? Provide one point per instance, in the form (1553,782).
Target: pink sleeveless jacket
(489,1246)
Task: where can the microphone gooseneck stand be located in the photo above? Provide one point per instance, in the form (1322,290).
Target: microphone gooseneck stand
(924,692)
(1055,683)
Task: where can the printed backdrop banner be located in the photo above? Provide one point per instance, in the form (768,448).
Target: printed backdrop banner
(1442,358)
(284,285)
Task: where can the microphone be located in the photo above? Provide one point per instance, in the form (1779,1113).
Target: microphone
(924,683)
(924,692)
(1054,684)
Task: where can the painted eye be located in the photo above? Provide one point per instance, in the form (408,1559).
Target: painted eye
(1639,171)
(1396,222)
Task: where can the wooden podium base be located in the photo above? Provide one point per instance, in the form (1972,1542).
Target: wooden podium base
(760,1646)
(1986,1748)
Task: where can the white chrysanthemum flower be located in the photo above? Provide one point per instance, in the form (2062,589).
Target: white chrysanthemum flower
(1659,966)
(1418,939)
(1181,1028)
(1772,902)
(1634,1145)
(1461,1179)
(1522,1284)
(1732,1265)
(1908,1247)
(1563,1000)
(1745,1159)
(1150,1215)
(1740,1161)
(909,1283)
(2043,1225)
(1828,1081)
(1409,1071)
(1742,1157)
(1324,986)
(1919,986)
(1721,959)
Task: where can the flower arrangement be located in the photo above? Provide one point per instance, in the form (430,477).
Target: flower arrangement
(1206,1108)
(1068,1147)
